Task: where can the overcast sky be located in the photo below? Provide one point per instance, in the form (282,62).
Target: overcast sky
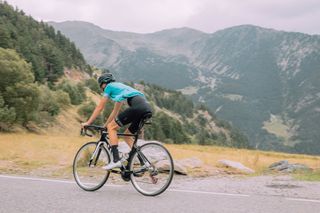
(145,16)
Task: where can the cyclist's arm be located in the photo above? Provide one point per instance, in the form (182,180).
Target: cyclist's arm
(114,113)
(97,110)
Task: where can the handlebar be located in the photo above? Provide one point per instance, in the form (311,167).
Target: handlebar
(83,131)
(91,127)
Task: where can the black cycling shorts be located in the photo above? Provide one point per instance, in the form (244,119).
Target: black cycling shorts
(138,107)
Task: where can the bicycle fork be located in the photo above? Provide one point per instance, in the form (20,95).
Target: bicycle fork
(93,160)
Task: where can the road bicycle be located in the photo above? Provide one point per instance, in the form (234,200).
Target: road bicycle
(149,167)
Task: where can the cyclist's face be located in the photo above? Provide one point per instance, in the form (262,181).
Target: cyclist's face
(103,86)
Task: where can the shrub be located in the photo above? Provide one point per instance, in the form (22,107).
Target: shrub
(93,85)
(25,98)
(62,98)
(86,110)
(76,92)
(7,115)
(13,69)
(48,102)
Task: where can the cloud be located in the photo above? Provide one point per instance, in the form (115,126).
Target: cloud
(153,15)
(290,15)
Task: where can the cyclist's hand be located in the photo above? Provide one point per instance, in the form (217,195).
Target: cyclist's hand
(84,124)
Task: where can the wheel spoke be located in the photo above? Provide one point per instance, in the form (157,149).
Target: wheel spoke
(90,176)
(153,179)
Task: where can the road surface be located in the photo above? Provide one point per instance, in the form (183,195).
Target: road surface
(26,194)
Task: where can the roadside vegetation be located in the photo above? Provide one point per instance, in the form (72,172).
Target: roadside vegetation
(308,176)
(52,156)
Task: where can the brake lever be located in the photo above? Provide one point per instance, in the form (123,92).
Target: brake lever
(83,132)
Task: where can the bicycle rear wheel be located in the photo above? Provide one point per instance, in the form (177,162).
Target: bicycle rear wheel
(87,169)
(152,169)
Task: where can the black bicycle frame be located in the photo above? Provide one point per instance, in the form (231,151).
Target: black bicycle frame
(104,137)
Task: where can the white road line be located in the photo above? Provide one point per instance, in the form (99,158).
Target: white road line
(212,193)
(303,200)
(49,180)
(113,185)
(172,190)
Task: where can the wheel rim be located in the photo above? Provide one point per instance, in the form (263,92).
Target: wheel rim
(93,177)
(158,176)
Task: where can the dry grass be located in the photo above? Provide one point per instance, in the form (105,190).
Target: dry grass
(257,160)
(52,155)
(25,153)
(308,176)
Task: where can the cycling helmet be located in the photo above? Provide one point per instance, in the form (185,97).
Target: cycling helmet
(106,78)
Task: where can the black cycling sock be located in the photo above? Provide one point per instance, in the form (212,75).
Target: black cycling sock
(115,153)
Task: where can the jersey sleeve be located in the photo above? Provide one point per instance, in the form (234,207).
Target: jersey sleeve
(107,91)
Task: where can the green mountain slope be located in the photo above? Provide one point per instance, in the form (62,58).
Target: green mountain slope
(177,120)
(48,51)
(197,122)
(246,74)
(36,93)
(32,58)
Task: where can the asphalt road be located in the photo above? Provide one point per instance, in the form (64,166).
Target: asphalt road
(24,194)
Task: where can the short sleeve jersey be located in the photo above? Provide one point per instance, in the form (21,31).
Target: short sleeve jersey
(118,91)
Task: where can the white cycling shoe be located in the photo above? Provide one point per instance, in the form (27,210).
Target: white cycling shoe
(113,165)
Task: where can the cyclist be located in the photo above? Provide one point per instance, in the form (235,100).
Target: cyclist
(138,107)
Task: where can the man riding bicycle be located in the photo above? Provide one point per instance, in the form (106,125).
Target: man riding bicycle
(138,107)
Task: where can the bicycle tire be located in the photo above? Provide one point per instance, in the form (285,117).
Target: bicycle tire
(91,186)
(134,160)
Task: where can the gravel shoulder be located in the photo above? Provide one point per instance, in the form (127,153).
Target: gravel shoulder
(210,179)
(274,185)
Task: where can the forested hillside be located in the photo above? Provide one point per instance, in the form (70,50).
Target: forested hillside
(35,87)
(176,119)
(176,116)
(33,57)
(39,44)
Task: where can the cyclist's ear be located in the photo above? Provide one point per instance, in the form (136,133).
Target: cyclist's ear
(103,86)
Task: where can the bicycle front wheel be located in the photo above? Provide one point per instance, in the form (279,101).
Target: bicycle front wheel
(87,166)
(152,169)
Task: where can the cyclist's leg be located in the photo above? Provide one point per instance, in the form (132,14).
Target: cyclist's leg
(113,127)
(112,130)
(128,139)
(134,126)
(133,116)
(122,119)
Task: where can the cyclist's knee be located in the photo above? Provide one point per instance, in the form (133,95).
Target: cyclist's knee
(113,125)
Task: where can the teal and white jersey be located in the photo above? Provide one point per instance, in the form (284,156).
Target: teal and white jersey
(118,91)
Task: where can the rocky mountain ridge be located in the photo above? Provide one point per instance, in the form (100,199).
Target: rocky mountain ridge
(246,74)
